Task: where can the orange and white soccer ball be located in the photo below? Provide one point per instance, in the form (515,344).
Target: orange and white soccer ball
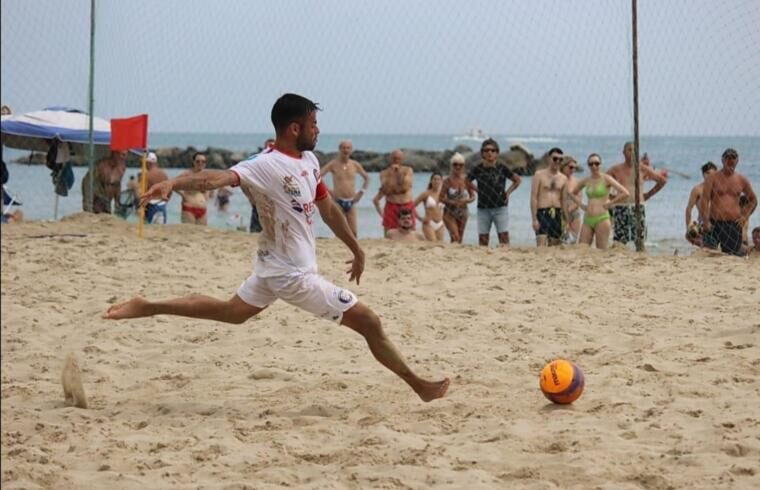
(561,381)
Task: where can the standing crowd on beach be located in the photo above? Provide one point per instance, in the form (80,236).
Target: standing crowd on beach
(560,213)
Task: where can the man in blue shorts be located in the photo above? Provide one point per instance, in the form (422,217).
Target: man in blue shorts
(491,178)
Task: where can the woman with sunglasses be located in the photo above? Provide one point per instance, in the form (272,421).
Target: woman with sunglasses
(596,220)
(572,212)
(456,193)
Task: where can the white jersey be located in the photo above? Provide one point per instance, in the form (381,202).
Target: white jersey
(284,190)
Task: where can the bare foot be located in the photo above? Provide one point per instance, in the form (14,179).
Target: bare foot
(431,390)
(134,308)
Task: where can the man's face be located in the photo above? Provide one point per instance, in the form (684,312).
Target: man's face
(708,173)
(554,160)
(405,221)
(200,162)
(118,157)
(346,149)
(628,152)
(756,239)
(308,133)
(490,153)
(730,160)
(397,158)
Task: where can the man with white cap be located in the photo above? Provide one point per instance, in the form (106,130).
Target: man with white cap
(155,210)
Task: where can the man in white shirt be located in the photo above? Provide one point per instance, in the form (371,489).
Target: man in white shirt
(285,184)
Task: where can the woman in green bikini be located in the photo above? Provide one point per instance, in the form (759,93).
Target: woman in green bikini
(596,220)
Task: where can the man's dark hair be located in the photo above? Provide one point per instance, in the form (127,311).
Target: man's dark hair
(556,150)
(195,155)
(708,166)
(756,230)
(404,212)
(291,108)
(489,142)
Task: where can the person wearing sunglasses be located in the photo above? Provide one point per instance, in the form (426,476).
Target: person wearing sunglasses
(720,206)
(596,220)
(624,214)
(570,209)
(546,200)
(493,197)
(456,193)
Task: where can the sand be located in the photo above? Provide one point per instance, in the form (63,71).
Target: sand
(670,347)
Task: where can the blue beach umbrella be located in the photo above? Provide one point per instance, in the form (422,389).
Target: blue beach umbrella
(36,130)
(61,132)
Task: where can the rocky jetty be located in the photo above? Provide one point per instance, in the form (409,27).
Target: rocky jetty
(517,157)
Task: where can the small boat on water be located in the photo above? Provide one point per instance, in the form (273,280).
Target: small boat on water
(475,134)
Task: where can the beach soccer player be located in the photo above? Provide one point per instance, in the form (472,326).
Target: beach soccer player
(286,185)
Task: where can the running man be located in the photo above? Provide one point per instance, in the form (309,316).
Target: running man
(624,214)
(286,184)
(344,170)
(195,202)
(546,201)
(719,206)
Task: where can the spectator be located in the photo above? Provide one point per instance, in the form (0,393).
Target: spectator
(491,177)
(432,224)
(456,193)
(396,188)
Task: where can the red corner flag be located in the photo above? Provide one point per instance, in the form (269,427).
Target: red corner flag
(129,133)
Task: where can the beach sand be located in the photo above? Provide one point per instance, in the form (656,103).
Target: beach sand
(670,347)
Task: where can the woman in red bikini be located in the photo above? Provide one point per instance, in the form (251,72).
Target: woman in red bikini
(194,203)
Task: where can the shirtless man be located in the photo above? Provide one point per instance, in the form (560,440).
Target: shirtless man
(694,233)
(194,203)
(624,214)
(396,187)
(107,185)
(344,171)
(155,210)
(546,201)
(405,231)
(719,206)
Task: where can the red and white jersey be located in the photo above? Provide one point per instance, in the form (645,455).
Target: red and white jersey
(284,190)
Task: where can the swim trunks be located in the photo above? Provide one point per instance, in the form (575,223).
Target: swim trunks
(155,212)
(345,204)
(728,234)
(624,222)
(549,222)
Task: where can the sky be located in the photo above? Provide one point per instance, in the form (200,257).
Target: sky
(393,66)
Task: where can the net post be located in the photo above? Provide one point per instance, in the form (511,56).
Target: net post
(635,156)
(91,106)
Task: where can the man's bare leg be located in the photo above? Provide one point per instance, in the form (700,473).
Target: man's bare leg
(194,306)
(483,240)
(351,217)
(541,240)
(361,319)
(504,239)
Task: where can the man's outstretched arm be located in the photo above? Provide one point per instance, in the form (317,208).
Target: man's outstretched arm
(336,221)
(204,180)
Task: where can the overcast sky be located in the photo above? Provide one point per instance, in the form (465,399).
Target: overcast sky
(394,66)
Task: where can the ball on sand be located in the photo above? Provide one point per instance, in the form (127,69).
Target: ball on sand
(561,381)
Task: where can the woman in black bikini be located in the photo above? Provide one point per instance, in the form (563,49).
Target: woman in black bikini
(456,194)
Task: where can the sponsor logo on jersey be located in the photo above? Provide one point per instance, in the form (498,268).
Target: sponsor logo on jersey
(290,185)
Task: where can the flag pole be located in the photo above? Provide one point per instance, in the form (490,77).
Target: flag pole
(143,185)
(635,156)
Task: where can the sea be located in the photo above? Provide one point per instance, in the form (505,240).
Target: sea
(682,156)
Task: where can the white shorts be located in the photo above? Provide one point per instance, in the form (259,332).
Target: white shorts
(310,292)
